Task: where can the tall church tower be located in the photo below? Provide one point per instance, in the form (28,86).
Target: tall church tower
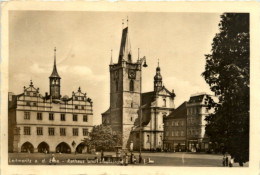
(158,79)
(125,77)
(55,81)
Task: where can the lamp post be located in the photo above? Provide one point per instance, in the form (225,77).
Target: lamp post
(142,63)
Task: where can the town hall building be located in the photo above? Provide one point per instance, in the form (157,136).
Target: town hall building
(50,122)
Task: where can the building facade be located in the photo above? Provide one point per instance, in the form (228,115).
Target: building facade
(50,122)
(175,127)
(126,100)
(197,111)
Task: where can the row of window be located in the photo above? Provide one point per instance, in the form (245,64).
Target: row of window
(35,104)
(34,94)
(131,86)
(175,133)
(79,98)
(51,131)
(51,117)
(175,123)
(196,110)
(193,132)
(193,121)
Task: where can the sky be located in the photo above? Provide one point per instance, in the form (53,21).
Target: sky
(84,41)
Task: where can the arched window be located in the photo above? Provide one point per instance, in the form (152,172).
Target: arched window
(131,85)
(164,102)
(116,85)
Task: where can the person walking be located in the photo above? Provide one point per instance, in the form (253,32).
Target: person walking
(102,155)
(231,162)
(126,159)
(224,160)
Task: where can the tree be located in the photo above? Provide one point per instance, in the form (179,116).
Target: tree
(227,73)
(102,137)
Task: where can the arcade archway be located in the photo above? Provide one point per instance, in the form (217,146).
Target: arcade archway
(43,147)
(81,148)
(27,147)
(63,148)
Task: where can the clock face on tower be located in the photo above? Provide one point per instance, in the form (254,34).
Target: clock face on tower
(131,74)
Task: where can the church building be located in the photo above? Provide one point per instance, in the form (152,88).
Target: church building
(126,100)
(50,122)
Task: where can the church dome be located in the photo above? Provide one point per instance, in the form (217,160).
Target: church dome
(65,97)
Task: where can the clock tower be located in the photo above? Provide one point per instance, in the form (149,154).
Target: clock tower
(125,77)
(55,81)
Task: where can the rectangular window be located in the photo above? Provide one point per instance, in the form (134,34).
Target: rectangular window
(75,131)
(27,130)
(51,131)
(82,107)
(85,118)
(27,115)
(28,103)
(34,104)
(85,132)
(75,117)
(167,133)
(137,135)
(62,117)
(76,107)
(51,116)
(34,94)
(39,131)
(39,116)
(63,131)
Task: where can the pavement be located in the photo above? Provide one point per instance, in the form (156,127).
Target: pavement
(159,158)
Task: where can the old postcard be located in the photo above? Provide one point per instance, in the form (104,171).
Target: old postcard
(130,88)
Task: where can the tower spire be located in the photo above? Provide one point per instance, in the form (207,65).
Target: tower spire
(111,62)
(55,56)
(138,59)
(125,47)
(54,71)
